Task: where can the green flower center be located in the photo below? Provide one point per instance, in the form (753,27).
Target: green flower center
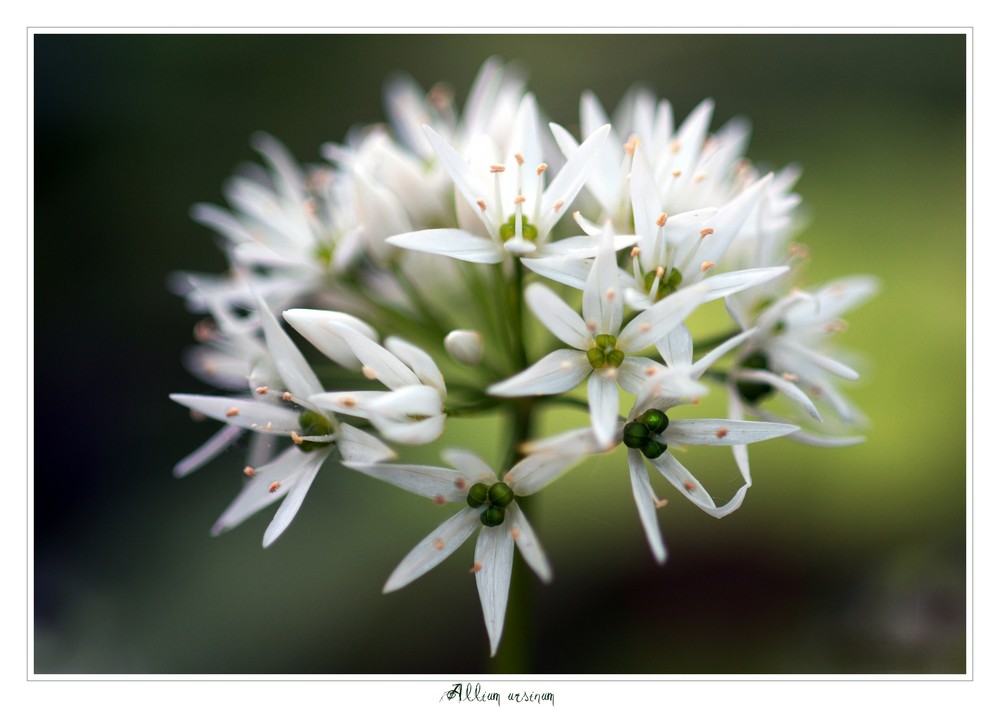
(313,425)
(667,286)
(605,352)
(497,497)
(638,434)
(754,391)
(507,231)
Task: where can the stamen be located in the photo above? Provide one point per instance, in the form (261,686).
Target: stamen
(461,483)
(249,471)
(706,265)
(497,168)
(675,146)
(476,567)
(369,372)
(661,220)
(541,168)
(690,486)
(286,396)
(296,438)
(439,544)
(645,327)
(204,330)
(520,199)
(659,503)
(609,294)
(788,376)
(634,253)
(631,145)
(798,250)
(705,232)
(481,203)
(721,433)
(592,326)
(197,416)
(700,177)
(676,173)
(232,412)
(438,499)
(275,486)
(558,205)
(515,533)
(348,401)
(651,371)
(519,157)
(261,390)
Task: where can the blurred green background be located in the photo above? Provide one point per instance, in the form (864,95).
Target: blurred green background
(840,561)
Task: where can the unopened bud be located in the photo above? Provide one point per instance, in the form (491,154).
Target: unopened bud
(465,346)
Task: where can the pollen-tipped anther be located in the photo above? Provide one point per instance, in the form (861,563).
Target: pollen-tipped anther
(232,412)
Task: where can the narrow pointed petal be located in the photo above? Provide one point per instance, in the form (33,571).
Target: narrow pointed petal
(720,431)
(821,360)
(438,483)
(380,362)
(242,412)
(566,270)
(637,371)
(419,361)
(409,432)
(208,450)
(557,372)
(290,506)
(570,180)
(740,452)
(358,446)
(256,493)
(645,502)
(558,317)
(786,387)
(645,201)
(655,323)
(288,360)
(495,556)
(354,403)
(540,469)
(457,168)
(453,243)
(430,552)
(602,394)
(603,304)
(320,328)
(584,247)
(720,351)
(527,542)
(691,488)
(677,348)
(727,224)
(726,284)
(577,443)
(470,464)
(408,401)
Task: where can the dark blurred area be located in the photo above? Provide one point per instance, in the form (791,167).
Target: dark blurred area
(841,561)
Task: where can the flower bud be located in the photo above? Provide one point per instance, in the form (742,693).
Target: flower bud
(465,346)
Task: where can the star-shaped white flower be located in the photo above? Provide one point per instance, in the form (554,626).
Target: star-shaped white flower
(286,413)
(489,505)
(604,353)
(508,197)
(412,411)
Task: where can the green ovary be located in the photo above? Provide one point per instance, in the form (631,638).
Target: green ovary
(496,497)
(507,230)
(638,435)
(313,425)
(605,352)
(667,286)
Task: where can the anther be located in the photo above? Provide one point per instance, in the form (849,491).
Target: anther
(275,486)
(286,396)
(592,326)
(309,206)
(661,220)
(788,376)
(541,168)
(721,433)
(690,486)
(476,567)
(204,330)
(234,411)
(438,499)
(369,372)
(519,157)
(676,173)
(439,544)
(460,483)
(659,503)
(706,265)
(700,177)
(798,250)
(515,533)
(558,205)
(675,146)
(660,271)
(705,232)
(645,327)
(197,416)
(261,390)
(249,471)
(348,401)
(631,145)
(496,168)
(651,371)
(296,438)
(609,294)
(481,203)
(634,253)
(520,199)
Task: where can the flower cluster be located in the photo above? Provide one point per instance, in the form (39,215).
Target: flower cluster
(453,235)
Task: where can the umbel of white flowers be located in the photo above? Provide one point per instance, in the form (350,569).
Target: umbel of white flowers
(450,232)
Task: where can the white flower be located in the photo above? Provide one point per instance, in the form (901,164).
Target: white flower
(286,413)
(603,352)
(412,411)
(508,210)
(465,346)
(490,505)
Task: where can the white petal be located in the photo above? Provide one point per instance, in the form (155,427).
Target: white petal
(430,552)
(821,360)
(495,555)
(454,243)
(690,487)
(718,431)
(383,364)
(602,395)
(208,450)
(419,361)
(720,351)
(740,452)
(358,446)
(319,327)
(242,412)
(577,442)
(645,204)
(408,402)
(677,348)
(570,180)
(540,469)
(557,372)
(568,271)
(558,317)
(457,168)
(645,502)
(583,247)
(288,360)
(469,464)
(409,432)
(727,223)
(290,506)
(637,371)
(603,304)
(786,387)
(527,542)
(438,483)
(657,322)
(354,403)
(725,284)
